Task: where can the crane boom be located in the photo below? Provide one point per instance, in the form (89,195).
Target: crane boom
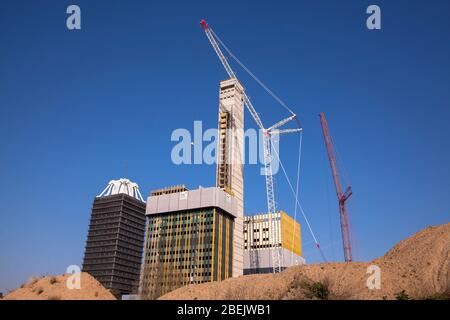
(342,196)
(230,71)
(271,205)
(268,134)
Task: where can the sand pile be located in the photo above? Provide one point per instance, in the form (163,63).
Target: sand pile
(55,288)
(418,266)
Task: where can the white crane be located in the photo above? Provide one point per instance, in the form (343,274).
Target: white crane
(269,133)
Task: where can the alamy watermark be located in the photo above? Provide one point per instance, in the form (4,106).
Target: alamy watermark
(373,22)
(73,21)
(234,147)
(374,280)
(74,280)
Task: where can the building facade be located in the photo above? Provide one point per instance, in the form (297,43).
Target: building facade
(189,239)
(230,161)
(115,239)
(260,238)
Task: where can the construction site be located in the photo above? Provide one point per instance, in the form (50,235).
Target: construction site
(230,243)
(201,244)
(265,233)
(191,237)
(206,243)
(201,236)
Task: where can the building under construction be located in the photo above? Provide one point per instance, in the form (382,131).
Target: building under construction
(230,162)
(230,175)
(116,237)
(189,239)
(260,237)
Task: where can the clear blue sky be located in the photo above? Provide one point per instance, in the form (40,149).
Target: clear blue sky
(79,108)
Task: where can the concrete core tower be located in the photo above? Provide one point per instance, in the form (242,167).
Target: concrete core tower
(230,161)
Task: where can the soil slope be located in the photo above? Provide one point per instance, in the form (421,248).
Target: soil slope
(54,288)
(419,265)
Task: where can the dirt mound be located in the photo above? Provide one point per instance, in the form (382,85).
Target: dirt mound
(421,263)
(417,266)
(55,288)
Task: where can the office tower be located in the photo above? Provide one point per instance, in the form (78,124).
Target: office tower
(259,241)
(230,161)
(189,239)
(116,237)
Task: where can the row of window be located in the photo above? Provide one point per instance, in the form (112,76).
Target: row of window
(179,225)
(131,240)
(180,276)
(186,267)
(183,251)
(262,246)
(257,240)
(182,217)
(257,230)
(206,233)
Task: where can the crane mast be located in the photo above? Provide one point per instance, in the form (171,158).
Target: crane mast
(342,196)
(271,205)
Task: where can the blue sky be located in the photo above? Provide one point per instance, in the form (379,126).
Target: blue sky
(79,108)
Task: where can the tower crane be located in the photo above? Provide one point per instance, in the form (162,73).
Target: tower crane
(268,134)
(341,195)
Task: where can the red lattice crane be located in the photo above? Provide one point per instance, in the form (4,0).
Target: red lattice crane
(342,196)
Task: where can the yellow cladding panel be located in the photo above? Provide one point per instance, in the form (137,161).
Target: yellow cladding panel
(289,226)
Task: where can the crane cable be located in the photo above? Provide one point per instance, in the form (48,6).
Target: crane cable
(270,92)
(300,206)
(296,195)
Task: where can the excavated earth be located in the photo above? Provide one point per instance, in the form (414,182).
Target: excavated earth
(55,288)
(417,266)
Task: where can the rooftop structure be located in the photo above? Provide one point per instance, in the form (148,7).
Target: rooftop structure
(124,186)
(192,199)
(169,190)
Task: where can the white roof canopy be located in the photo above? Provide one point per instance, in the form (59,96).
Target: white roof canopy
(122,186)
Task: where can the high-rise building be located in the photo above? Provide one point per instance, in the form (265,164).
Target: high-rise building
(230,161)
(116,237)
(260,239)
(189,239)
